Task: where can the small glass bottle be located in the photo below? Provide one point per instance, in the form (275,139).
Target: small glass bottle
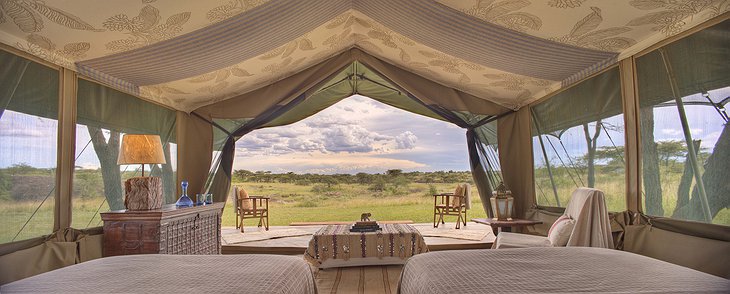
(184,200)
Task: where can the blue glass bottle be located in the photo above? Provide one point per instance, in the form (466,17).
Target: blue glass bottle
(184,200)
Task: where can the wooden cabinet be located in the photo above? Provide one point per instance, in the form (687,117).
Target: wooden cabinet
(169,230)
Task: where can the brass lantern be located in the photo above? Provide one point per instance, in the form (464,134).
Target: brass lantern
(502,203)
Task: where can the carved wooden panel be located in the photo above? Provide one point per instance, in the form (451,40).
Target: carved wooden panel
(169,230)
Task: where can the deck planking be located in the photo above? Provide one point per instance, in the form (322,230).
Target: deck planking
(298,244)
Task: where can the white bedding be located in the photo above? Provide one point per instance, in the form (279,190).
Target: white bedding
(551,270)
(175,274)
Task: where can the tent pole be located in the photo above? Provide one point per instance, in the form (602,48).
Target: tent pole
(547,162)
(688,138)
(550,172)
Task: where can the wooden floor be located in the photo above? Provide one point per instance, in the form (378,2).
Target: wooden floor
(298,244)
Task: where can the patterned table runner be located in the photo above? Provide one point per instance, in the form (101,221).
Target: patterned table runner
(337,242)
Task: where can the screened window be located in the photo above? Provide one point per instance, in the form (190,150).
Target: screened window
(28,139)
(104,116)
(686,158)
(578,141)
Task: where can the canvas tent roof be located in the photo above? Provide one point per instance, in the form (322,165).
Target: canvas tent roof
(189,54)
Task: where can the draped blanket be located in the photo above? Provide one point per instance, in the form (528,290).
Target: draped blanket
(396,242)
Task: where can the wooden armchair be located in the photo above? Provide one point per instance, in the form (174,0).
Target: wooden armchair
(455,203)
(250,207)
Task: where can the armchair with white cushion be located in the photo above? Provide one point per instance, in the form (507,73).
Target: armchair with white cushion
(584,223)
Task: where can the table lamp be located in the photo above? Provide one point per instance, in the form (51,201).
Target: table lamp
(142,193)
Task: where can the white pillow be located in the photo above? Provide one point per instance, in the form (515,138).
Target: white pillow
(560,231)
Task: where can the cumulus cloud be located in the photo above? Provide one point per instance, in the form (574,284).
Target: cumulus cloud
(352,138)
(356,135)
(406,140)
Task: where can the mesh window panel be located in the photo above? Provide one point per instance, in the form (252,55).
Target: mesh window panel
(578,141)
(690,76)
(104,116)
(28,145)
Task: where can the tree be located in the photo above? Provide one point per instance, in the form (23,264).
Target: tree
(363,178)
(394,172)
(671,150)
(168,176)
(612,154)
(591,143)
(243,175)
(107,152)
(650,158)
(685,182)
(717,187)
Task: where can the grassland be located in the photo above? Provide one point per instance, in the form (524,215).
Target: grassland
(292,202)
(299,203)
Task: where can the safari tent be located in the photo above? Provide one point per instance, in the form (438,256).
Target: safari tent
(521,77)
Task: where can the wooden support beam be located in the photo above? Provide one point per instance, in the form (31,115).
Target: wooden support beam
(66,149)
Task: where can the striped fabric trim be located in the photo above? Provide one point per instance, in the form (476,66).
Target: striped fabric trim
(442,28)
(220,45)
(277,22)
(109,80)
(579,76)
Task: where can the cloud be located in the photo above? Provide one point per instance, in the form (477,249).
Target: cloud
(20,132)
(679,132)
(326,163)
(709,141)
(352,138)
(358,134)
(22,125)
(406,140)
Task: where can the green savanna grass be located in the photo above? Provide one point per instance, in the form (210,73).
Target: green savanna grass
(343,202)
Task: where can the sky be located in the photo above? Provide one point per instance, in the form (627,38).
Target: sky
(357,134)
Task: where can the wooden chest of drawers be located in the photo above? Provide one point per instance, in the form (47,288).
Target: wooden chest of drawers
(169,230)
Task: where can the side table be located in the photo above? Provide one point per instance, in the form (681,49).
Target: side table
(505,225)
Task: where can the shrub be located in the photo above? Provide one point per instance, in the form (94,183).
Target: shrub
(378,186)
(432,190)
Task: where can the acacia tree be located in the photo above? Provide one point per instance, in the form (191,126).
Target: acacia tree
(591,156)
(168,176)
(650,158)
(107,151)
(717,187)
(685,182)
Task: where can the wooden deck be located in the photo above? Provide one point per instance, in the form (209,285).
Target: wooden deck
(295,245)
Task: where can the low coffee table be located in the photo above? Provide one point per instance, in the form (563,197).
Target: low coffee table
(506,225)
(336,246)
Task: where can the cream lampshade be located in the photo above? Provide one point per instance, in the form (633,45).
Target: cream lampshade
(142,193)
(141,149)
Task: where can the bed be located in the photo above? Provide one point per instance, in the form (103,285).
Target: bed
(175,274)
(550,270)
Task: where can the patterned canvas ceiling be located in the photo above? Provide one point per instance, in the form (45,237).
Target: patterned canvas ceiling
(187,54)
